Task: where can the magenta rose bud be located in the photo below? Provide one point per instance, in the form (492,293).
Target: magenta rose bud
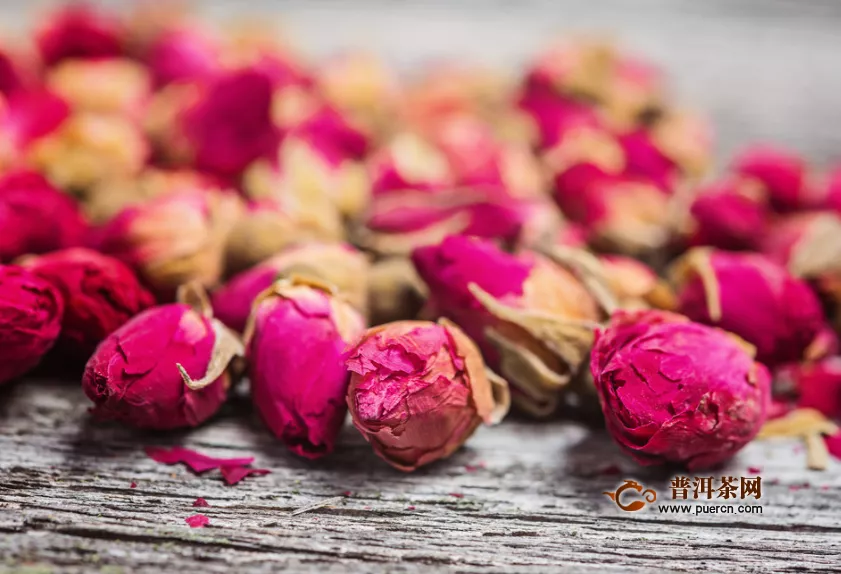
(782,174)
(30,320)
(166,368)
(296,341)
(419,390)
(674,391)
(817,385)
(750,295)
(182,54)
(79,31)
(35,217)
(808,244)
(728,216)
(100,294)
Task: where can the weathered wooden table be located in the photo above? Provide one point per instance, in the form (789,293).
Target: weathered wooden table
(522,496)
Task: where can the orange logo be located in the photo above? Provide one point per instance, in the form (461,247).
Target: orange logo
(648,494)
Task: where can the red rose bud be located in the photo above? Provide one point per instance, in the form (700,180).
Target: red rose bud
(644,159)
(297,338)
(30,320)
(79,31)
(758,300)
(532,317)
(338,264)
(112,85)
(174,238)
(686,140)
(782,174)
(582,68)
(552,116)
(418,390)
(634,90)
(728,215)
(808,244)
(634,284)
(100,294)
(36,217)
(268,226)
(674,391)
(585,149)
(325,126)
(409,162)
(143,373)
(27,116)
(817,385)
(182,54)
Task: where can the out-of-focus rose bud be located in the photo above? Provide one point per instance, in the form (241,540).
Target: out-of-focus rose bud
(750,295)
(829,286)
(395,292)
(553,116)
(409,162)
(781,173)
(182,54)
(326,126)
(635,285)
(166,368)
(635,90)
(816,385)
(35,217)
(337,264)
(296,342)
(676,141)
(418,390)
(532,317)
(25,117)
(17,72)
(728,215)
(829,194)
(808,244)
(112,85)
(79,31)
(585,146)
(30,320)
(581,68)
(267,227)
(674,391)
(89,148)
(175,238)
(100,294)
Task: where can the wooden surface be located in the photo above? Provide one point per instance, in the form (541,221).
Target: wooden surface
(532,497)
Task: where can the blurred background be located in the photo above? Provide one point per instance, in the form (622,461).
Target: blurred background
(760,69)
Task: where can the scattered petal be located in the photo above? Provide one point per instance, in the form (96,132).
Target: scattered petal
(133,484)
(200,503)
(233,473)
(196,461)
(611,470)
(410,507)
(197,521)
(456,495)
(754,469)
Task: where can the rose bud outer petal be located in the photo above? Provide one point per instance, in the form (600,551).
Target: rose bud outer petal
(411,393)
(674,391)
(100,293)
(296,353)
(808,244)
(182,55)
(30,320)
(781,173)
(723,217)
(817,385)
(132,376)
(109,86)
(79,31)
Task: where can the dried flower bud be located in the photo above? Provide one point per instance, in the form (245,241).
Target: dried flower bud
(114,85)
(782,175)
(267,227)
(79,31)
(755,298)
(25,117)
(674,391)
(419,390)
(684,139)
(409,162)
(395,292)
(817,385)
(142,374)
(89,148)
(829,194)
(182,54)
(100,294)
(581,68)
(174,238)
(35,217)
(808,244)
(337,264)
(297,339)
(636,285)
(531,317)
(634,90)
(30,320)
(728,215)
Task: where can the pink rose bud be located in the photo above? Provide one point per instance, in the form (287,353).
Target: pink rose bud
(553,116)
(100,294)
(644,159)
(829,196)
(808,244)
(338,264)
(817,385)
(182,54)
(781,173)
(110,86)
(174,238)
(325,126)
(79,31)
(297,342)
(26,116)
(409,162)
(16,71)
(166,368)
(35,217)
(418,390)
(531,317)
(636,285)
(635,90)
(674,391)
(728,215)
(758,300)
(581,68)
(686,140)
(30,320)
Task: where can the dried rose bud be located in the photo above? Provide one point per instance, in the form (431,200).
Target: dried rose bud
(727,215)
(686,140)
(30,319)
(636,285)
(79,31)
(782,174)
(267,227)
(581,68)
(585,146)
(755,298)
(182,54)
(531,317)
(409,162)
(142,374)
(17,70)
(674,391)
(112,85)
(635,89)
(25,117)
(395,292)
(808,244)
(338,264)
(828,195)
(419,390)
(553,116)
(296,339)
(35,217)
(817,385)
(89,148)
(100,294)
(174,238)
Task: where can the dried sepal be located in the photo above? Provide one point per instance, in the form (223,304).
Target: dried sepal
(810,425)
(589,270)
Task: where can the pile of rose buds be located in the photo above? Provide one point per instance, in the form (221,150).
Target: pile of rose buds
(187,209)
